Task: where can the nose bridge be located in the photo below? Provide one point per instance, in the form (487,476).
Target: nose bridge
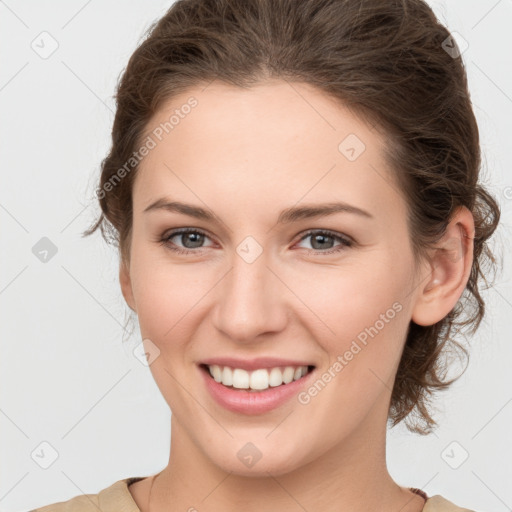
(248,302)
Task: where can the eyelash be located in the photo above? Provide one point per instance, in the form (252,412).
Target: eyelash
(345,242)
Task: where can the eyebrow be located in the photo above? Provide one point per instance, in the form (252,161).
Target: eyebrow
(292,214)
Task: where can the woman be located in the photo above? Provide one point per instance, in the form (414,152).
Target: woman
(248,134)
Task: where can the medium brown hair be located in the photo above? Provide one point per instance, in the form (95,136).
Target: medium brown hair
(391,62)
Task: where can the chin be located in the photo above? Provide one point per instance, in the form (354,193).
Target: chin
(252,462)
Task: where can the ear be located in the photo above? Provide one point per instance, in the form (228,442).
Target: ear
(126,285)
(449,267)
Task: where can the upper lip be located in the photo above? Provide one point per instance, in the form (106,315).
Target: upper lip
(253,364)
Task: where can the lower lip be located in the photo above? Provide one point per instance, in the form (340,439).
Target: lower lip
(252,402)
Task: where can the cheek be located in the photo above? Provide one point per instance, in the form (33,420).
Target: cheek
(364,310)
(167,295)
(369,318)
(356,292)
(342,302)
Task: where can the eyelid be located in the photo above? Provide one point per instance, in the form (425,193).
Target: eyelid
(330,232)
(165,238)
(345,240)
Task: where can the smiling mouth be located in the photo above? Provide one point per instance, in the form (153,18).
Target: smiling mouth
(257,380)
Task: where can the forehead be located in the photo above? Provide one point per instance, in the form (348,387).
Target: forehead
(259,144)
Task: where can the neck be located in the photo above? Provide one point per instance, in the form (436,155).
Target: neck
(350,476)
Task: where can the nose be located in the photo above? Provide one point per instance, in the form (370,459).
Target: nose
(251,301)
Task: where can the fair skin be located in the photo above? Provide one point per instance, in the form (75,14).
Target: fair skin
(246,155)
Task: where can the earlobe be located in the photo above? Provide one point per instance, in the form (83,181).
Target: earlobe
(126,286)
(450,265)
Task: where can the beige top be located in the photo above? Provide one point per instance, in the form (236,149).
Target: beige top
(117,498)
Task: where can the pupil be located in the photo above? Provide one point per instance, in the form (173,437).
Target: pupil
(199,239)
(321,237)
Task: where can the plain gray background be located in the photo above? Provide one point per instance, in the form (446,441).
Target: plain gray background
(68,381)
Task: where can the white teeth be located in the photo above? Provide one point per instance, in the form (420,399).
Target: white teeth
(216,372)
(240,379)
(227,376)
(276,377)
(288,374)
(258,379)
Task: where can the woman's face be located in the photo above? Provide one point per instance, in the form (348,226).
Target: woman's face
(255,284)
